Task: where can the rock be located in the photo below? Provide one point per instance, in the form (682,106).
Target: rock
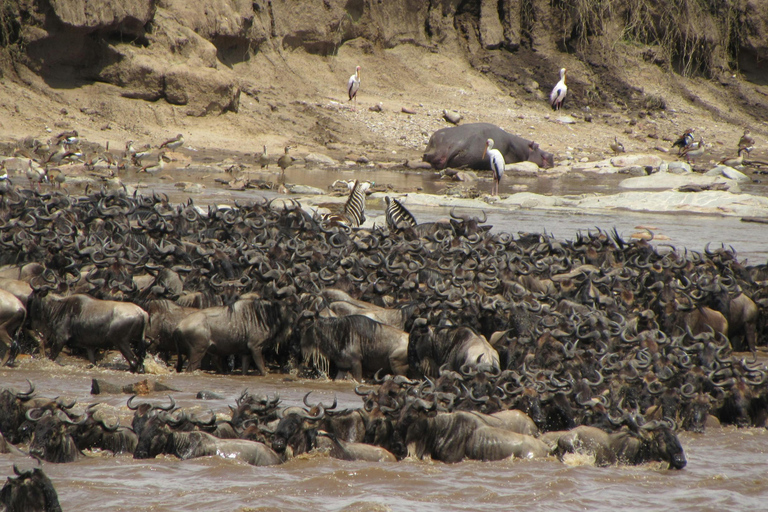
(522,167)
(490,28)
(203,90)
(584,159)
(376,108)
(208,395)
(465,176)
(565,120)
(635,170)
(417,164)
(129,15)
(452,117)
(143,387)
(407,110)
(641,160)
(679,167)
(320,159)
(663,181)
(306,190)
(728,172)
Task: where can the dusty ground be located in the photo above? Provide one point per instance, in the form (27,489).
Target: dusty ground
(300,99)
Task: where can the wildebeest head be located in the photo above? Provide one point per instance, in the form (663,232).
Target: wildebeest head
(145,411)
(95,432)
(412,426)
(52,439)
(155,436)
(665,444)
(297,430)
(30,491)
(254,407)
(12,411)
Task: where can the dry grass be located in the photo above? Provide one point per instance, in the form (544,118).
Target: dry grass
(695,37)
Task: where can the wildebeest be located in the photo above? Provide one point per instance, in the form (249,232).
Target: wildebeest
(96,433)
(429,348)
(654,441)
(12,314)
(164,317)
(344,305)
(157,437)
(355,344)
(244,328)
(346,450)
(82,321)
(145,411)
(30,491)
(52,439)
(452,437)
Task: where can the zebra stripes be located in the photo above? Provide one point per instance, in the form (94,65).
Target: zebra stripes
(397,215)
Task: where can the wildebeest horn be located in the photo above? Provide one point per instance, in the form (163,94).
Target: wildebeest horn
(170,407)
(132,407)
(321,404)
(363,393)
(107,427)
(28,393)
(29,412)
(66,406)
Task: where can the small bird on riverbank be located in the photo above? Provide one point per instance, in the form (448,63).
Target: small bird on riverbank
(617,146)
(156,168)
(733,162)
(286,160)
(557,96)
(36,174)
(685,140)
(497,165)
(746,142)
(264,159)
(174,143)
(694,150)
(353,85)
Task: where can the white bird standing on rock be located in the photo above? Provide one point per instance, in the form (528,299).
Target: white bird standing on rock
(557,96)
(353,85)
(497,164)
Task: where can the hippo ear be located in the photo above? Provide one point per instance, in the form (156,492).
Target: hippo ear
(534,145)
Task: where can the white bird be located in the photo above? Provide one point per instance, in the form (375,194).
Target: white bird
(557,96)
(497,164)
(353,85)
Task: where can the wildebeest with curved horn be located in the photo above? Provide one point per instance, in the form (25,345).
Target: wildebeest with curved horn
(355,344)
(429,348)
(655,441)
(245,328)
(30,491)
(52,439)
(82,321)
(157,437)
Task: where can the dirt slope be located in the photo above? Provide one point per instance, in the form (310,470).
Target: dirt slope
(236,75)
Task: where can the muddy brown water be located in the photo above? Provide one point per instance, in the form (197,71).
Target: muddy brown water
(726,468)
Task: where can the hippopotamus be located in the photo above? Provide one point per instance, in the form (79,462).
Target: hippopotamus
(462,146)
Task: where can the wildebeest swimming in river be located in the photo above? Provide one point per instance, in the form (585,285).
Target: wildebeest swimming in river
(30,491)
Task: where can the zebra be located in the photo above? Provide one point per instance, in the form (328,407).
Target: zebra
(397,215)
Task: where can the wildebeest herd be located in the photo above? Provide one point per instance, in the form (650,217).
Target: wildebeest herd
(481,344)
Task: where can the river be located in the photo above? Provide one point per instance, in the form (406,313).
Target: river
(726,468)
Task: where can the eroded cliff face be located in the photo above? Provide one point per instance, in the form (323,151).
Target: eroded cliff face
(184,51)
